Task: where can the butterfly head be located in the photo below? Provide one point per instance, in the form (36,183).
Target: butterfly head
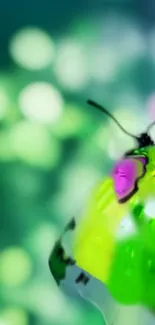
(143,140)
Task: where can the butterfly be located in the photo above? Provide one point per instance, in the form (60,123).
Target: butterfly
(106,268)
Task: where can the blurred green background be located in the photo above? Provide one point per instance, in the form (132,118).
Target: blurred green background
(53,147)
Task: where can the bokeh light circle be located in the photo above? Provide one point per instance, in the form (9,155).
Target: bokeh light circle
(4,102)
(42,102)
(15,266)
(13,316)
(103,64)
(42,240)
(32,48)
(71,65)
(33,144)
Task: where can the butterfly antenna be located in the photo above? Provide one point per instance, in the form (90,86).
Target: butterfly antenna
(102,109)
(150,126)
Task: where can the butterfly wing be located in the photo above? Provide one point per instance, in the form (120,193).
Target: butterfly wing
(94,240)
(97,254)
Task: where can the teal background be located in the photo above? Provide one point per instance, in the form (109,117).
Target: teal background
(53,147)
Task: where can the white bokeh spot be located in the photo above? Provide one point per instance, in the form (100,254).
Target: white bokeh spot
(32,48)
(149,208)
(127,228)
(41,102)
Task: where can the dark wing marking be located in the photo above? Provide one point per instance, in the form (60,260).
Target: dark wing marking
(58,262)
(82,278)
(71,225)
